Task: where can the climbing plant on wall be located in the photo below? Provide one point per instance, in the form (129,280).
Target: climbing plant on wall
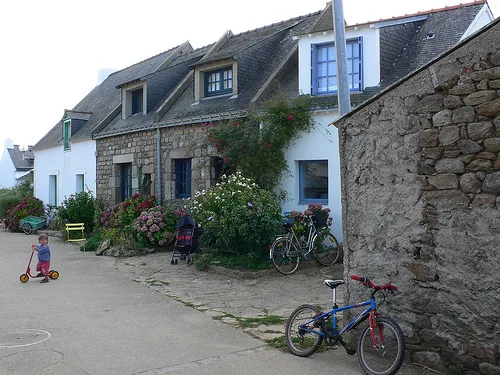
(256,145)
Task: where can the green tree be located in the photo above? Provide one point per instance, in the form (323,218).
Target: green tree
(12,196)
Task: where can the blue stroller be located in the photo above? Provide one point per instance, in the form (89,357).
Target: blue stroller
(186,242)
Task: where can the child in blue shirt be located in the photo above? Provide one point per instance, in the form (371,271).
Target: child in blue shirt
(43,251)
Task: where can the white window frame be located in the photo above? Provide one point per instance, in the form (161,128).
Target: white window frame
(79,183)
(53,189)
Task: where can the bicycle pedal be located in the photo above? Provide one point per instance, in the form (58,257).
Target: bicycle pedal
(347,347)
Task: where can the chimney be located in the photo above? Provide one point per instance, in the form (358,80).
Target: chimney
(8,143)
(102,74)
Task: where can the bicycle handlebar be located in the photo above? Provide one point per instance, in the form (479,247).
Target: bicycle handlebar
(367,282)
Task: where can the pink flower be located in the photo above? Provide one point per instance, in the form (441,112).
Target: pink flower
(290,117)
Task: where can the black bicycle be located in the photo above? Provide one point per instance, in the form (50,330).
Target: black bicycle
(381,345)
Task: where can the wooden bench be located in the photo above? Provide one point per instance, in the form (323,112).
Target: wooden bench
(75,232)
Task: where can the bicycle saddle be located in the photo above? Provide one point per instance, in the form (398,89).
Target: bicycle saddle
(332,284)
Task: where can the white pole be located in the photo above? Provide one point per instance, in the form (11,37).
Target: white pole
(340,50)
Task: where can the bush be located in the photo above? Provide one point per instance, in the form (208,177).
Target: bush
(124,214)
(29,206)
(78,208)
(156,227)
(10,197)
(93,242)
(117,222)
(237,216)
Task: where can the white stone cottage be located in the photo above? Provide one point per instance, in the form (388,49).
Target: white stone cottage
(144,123)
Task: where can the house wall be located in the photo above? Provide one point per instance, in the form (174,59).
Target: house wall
(66,165)
(321,143)
(483,18)
(371,60)
(7,169)
(421,196)
(181,142)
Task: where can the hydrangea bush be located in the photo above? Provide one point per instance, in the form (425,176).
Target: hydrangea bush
(237,216)
(28,206)
(125,213)
(156,227)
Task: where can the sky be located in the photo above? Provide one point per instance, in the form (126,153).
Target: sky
(52,50)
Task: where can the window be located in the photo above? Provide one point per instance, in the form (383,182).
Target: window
(313,182)
(324,67)
(80,183)
(66,135)
(145,187)
(53,190)
(183,178)
(220,168)
(137,102)
(219,82)
(125,181)
(134,99)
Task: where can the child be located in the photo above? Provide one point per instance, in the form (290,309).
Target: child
(43,250)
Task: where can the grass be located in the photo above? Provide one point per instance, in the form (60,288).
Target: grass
(230,260)
(278,342)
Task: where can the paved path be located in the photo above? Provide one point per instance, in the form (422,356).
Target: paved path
(227,293)
(96,319)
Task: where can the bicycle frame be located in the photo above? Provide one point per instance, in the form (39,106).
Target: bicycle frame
(381,343)
(293,237)
(370,311)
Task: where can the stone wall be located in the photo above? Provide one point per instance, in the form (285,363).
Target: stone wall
(140,149)
(421,197)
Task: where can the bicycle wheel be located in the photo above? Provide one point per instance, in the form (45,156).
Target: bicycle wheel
(299,340)
(326,248)
(285,255)
(387,356)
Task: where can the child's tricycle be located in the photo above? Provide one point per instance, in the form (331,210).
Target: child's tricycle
(26,276)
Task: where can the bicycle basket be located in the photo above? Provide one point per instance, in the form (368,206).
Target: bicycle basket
(320,219)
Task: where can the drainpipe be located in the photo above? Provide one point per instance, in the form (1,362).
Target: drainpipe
(340,50)
(158,163)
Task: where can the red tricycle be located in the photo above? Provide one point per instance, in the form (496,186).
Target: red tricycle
(26,276)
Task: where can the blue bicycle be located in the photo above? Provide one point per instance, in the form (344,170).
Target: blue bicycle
(381,346)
